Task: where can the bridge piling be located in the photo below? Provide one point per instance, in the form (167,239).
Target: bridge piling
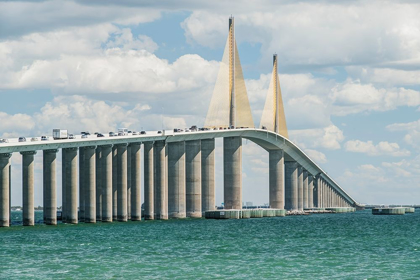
(106,168)
(300,188)
(49,186)
(232,167)
(82,184)
(28,212)
(207,175)
(122,182)
(291,185)
(160,180)
(305,189)
(176,180)
(129,182)
(135,182)
(70,177)
(98,176)
(276,179)
(114,183)
(193,178)
(5,189)
(310,191)
(148,181)
(90,184)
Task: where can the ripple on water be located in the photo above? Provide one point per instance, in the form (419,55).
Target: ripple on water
(342,246)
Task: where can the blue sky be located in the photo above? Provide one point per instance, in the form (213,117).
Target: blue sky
(349,78)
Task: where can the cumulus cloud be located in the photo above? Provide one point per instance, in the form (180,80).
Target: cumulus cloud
(412,129)
(328,137)
(317,156)
(382,148)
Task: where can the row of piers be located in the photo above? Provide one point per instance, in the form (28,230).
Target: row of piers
(103,183)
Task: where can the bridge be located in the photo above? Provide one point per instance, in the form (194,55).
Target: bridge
(101,178)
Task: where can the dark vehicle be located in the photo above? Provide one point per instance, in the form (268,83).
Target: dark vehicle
(176,130)
(193,128)
(135,133)
(45,138)
(129,131)
(112,134)
(143,132)
(263,127)
(159,132)
(22,139)
(71,136)
(85,133)
(99,135)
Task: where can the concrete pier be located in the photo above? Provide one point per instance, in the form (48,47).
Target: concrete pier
(82,186)
(176,180)
(28,214)
(114,183)
(305,189)
(291,185)
(276,179)
(63,189)
(106,168)
(300,188)
(232,175)
(50,187)
(122,182)
(149,213)
(98,176)
(193,178)
(129,182)
(135,182)
(70,174)
(5,190)
(207,175)
(310,191)
(90,185)
(160,180)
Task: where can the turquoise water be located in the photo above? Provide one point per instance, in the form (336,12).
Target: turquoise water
(328,246)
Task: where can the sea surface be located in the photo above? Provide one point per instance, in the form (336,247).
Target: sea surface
(324,246)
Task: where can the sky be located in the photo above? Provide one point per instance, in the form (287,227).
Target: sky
(349,75)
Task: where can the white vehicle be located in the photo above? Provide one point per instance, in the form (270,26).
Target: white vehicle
(60,134)
(122,131)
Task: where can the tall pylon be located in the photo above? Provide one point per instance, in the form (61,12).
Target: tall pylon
(229,105)
(273,117)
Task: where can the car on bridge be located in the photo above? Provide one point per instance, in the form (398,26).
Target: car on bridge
(34,139)
(143,132)
(99,135)
(135,133)
(112,134)
(45,138)
(84,136)
(71,136)
(2,140)
(22,139)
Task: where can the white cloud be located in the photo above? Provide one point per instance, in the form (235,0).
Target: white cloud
(316,156)
(413,132)
(352,97)
(386,76)
(328,137)
(382,148)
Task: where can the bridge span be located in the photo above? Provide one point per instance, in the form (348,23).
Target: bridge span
(179,178)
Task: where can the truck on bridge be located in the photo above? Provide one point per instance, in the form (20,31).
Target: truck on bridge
(60,134)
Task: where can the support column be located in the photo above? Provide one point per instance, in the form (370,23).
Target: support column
(310,191)
(207,175)
(90,184)
(98,188)
(129,182)
(232,167)
(149,199)
(63,189)
(176,180)
(82,187)
(106,168)
(300,188)
(50,187)
(305,189)
(276,179)
(70,175)
(135,182)
(122,182)
(28,214)
(160,180)
(5,190)
(193,178)
(114,183)
(291,185)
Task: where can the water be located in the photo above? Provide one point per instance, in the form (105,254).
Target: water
(329,246)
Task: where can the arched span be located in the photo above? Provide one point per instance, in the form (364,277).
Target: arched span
(264,138)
